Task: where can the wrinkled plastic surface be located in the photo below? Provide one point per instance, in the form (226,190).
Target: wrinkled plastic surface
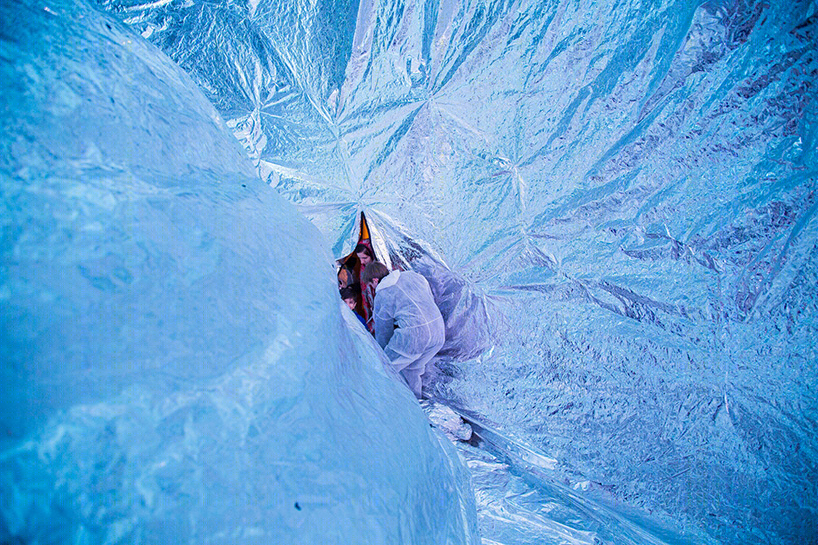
(623,192)
(175,364)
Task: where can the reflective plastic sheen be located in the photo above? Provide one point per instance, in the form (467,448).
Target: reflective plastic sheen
(175,364)
(614,202)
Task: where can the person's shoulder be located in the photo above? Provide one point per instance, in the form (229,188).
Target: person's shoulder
(390,279)
(416,276)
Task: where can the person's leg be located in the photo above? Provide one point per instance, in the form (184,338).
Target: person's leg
(413,367)
(427,357)
(415,370)
(399,363)
(410,368)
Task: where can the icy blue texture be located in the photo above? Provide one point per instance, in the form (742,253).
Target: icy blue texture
(627,190)
(175,363)
(615,200)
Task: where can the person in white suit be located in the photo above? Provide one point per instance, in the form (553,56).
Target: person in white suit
(408,324)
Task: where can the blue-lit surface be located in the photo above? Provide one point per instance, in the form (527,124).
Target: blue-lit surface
(175,366)
(618,199)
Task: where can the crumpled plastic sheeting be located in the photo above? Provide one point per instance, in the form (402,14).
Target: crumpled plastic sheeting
(630,185)
(175,368)
(518,507)
(523,499)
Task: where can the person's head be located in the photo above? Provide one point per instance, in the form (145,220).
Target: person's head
(374,273)
(364,253)
(350,295)
(345,277)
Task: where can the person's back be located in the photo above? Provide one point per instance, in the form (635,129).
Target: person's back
(405,301)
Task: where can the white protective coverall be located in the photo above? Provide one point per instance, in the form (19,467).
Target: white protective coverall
(408,324)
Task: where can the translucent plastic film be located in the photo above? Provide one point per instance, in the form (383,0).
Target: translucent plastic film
(175,364)
(614,201)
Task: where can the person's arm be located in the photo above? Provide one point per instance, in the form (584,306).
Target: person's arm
(382,317)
